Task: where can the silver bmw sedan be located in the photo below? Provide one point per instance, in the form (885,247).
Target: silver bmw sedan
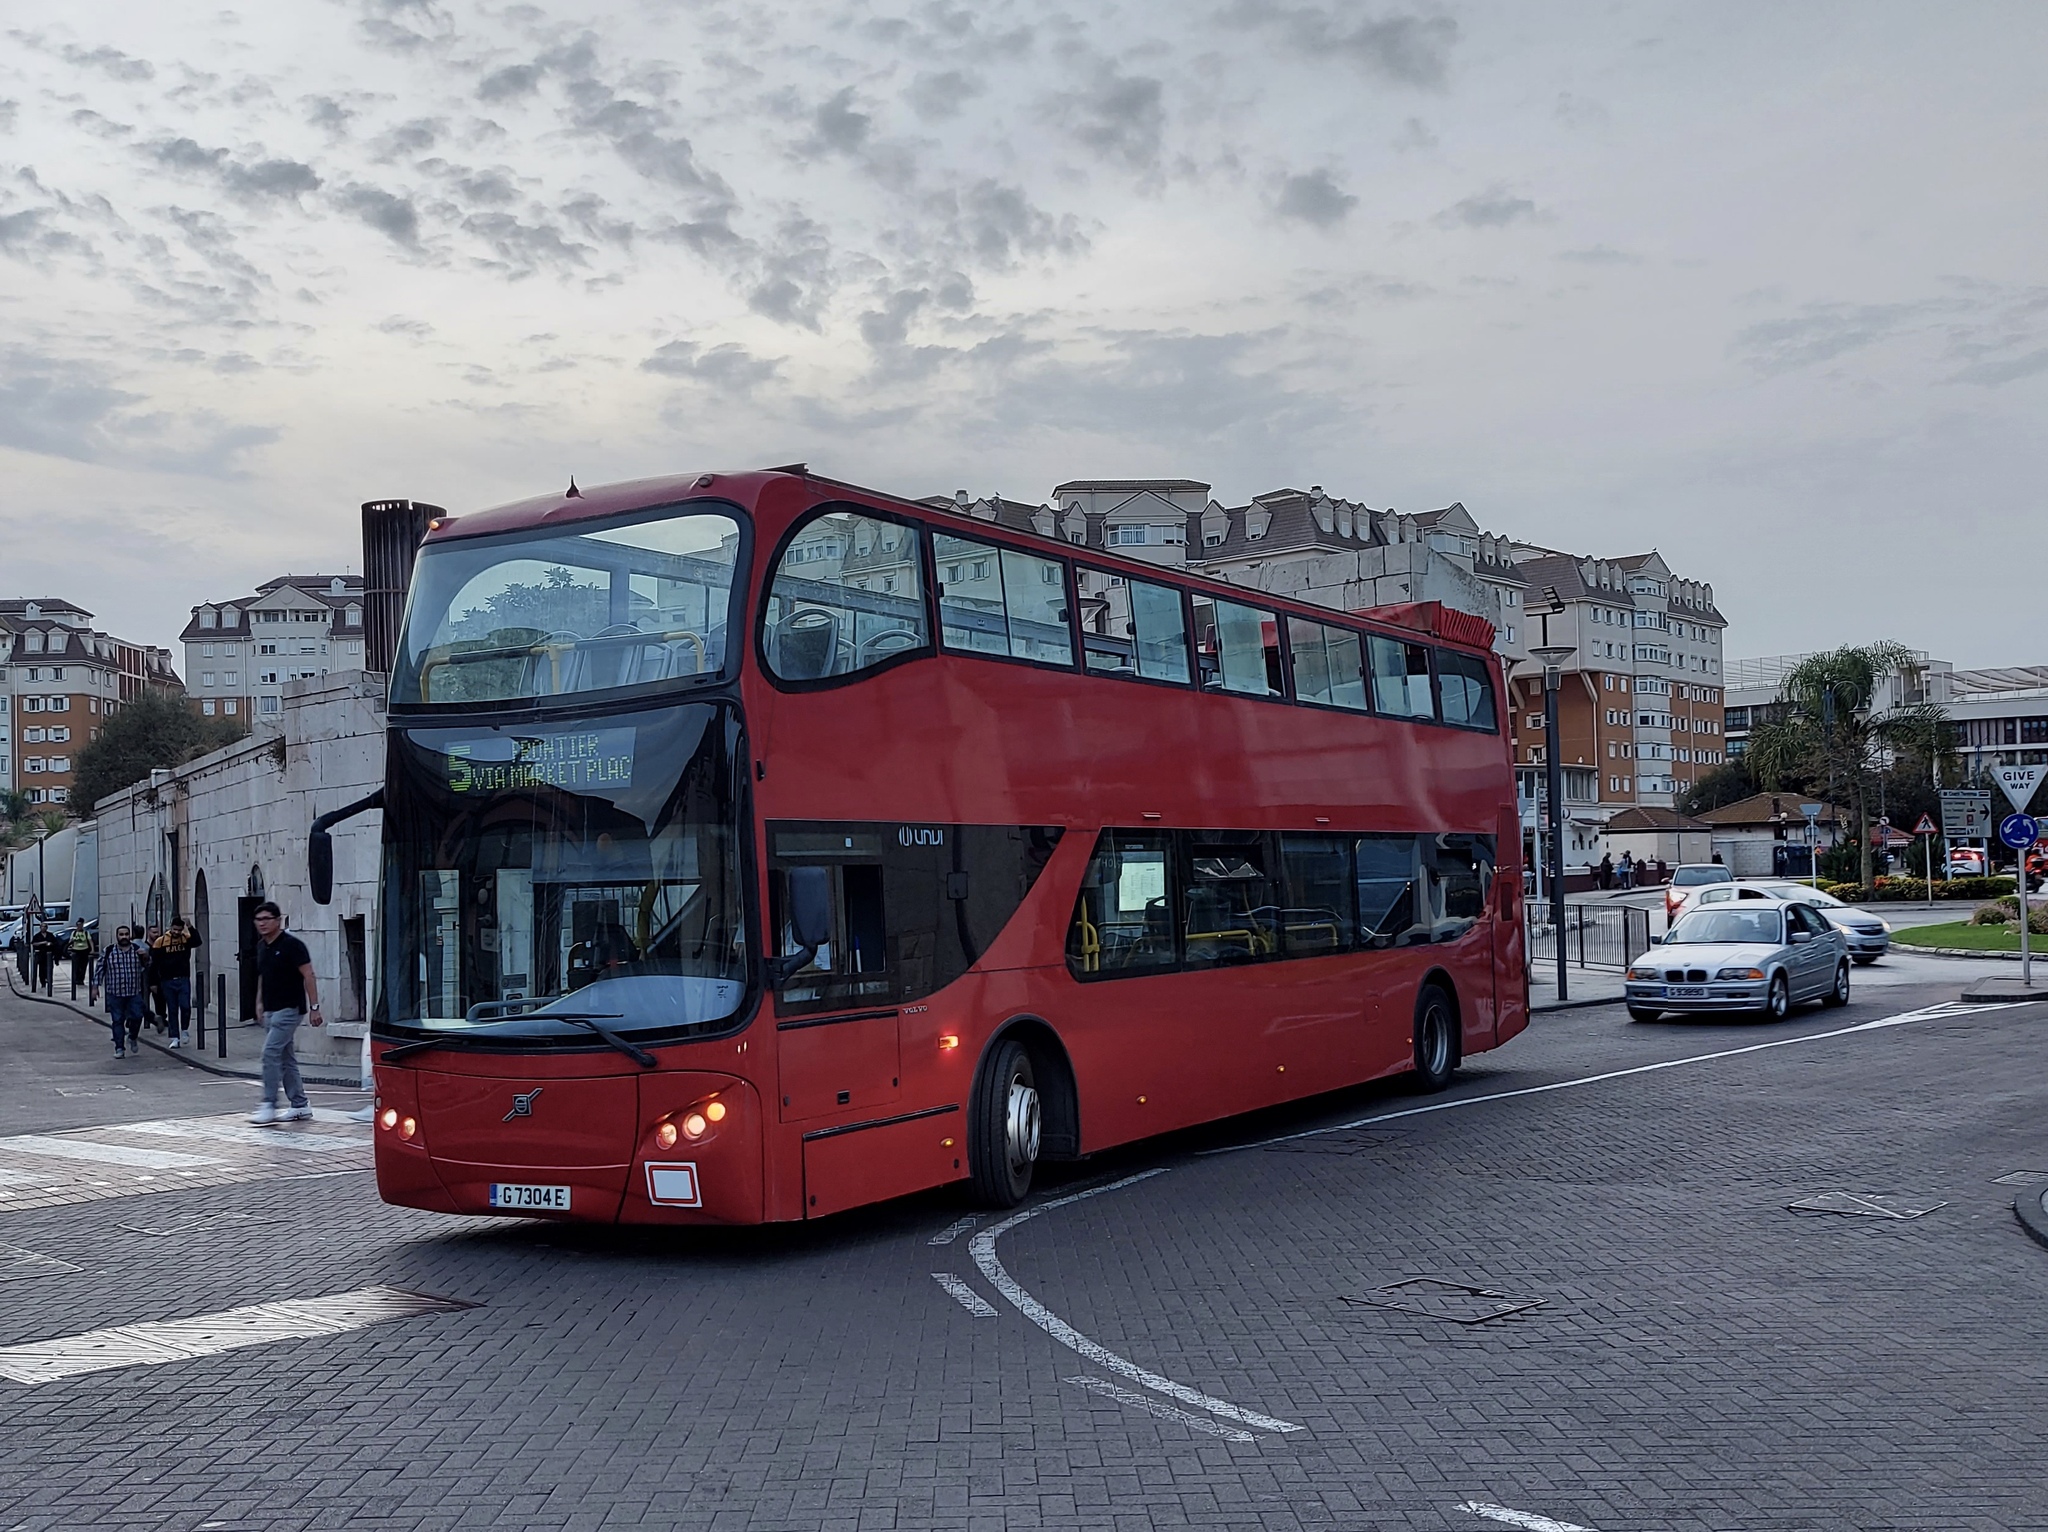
(1759,955)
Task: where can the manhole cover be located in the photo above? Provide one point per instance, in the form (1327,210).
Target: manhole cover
(1864,1205)
(2021,1178)
(17,1262)
(96,1090)
(1434,1298)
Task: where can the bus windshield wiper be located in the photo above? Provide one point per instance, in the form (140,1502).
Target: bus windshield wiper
(637,1054)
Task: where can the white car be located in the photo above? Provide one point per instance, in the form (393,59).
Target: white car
(1869,936)
(1765,955)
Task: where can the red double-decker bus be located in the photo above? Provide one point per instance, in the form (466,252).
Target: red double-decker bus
(757,846)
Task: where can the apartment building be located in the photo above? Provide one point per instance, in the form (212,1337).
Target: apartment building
(240,653)
(60,680)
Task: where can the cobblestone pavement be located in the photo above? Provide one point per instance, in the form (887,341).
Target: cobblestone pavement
(1190,1333)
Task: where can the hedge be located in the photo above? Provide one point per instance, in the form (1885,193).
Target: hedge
(1914,890)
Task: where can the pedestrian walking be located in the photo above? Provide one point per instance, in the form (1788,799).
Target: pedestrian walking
(287,992)
(1628,871)
(78,943)
(171,967)
(1606,872)
(123,972)
(152,995)
(46,945)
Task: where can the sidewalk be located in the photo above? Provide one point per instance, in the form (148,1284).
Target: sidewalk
(252,1047)
(1583,987)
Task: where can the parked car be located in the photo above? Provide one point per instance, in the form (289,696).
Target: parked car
(1688,876)
(1765,955)
(1870,936)
(1965,862)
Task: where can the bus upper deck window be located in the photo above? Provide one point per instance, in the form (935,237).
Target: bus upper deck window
(1400,678)
(1239,647)
(1001,601)
(1467,690)
(848,594)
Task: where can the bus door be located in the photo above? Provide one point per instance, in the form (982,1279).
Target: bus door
(1508,992)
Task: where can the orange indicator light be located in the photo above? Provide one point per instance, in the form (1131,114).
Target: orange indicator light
(715,1111)
(408,1128)
(665,1135)
(948,1043)
(388,1118)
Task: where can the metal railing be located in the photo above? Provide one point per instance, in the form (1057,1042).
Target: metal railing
(1594,935)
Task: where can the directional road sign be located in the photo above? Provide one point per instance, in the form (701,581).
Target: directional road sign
(2019,783)
(2019,830)
(1965,814)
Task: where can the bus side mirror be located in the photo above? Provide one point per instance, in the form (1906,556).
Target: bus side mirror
(810,906)
(320,865)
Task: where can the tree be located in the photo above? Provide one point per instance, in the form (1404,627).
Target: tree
(155,730)
(1725,784)
(1831,733)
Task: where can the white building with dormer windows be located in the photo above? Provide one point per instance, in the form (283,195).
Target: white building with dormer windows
(240,654)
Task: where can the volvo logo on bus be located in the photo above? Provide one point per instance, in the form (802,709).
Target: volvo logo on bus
(910,836)
(522,1105)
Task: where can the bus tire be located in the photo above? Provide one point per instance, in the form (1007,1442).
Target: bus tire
(1004,1127)
(1436,1037)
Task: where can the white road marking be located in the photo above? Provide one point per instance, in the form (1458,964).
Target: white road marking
(983,1249)
(221,1132)
(970,1300)
(44,1146)
(1529,1521)
(179,1340)
(1124,1395)
(954,1230)
(1929,1013)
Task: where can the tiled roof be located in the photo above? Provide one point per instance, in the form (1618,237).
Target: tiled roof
(1770,809)
(1132,486)
(1650,817)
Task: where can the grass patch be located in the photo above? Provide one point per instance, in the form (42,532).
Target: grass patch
(1973,938)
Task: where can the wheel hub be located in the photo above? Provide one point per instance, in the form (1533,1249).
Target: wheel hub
(1022,1129)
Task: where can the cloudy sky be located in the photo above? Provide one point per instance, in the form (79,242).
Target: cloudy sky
(1761,286)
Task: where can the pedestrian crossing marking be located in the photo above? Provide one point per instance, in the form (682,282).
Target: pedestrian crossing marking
(41,1170)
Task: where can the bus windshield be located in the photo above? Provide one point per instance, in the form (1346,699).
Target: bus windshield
(591,608)
(538,873)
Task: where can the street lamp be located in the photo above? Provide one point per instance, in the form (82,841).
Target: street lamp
(42,834)
(1552,658)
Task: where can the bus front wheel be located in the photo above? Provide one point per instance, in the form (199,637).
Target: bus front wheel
(1436,1049)
(1006,1127)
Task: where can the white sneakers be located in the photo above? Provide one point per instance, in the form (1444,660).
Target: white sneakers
(296,1114)
(267,1114)
(264,1115)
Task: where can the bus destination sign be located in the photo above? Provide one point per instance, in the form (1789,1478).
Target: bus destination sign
(581,760)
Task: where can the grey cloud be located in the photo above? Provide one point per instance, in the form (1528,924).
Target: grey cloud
(184,154)
(1121,117)
(796,276)
(328,114)
(104,127)
(413,137)
(398,324)
(1408,49)
(509,83)
(587,213)
(30,235)
(61,408)
(269,178)
(388,214)
(1823,331)
(890,324)
(111,61)
(525,247)
(1315,198)
(1494,208)
(1992,374)
(9,110)
(405,26)
(998,223)
(1577,112)
(486,188)
(1414,134)
(837,126)
(939,96)
(1600,255)
(730,366)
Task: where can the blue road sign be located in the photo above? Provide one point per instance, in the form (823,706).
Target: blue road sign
(2019,830)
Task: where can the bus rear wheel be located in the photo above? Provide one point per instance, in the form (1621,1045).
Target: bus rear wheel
(1005,1125)
(1436,1048)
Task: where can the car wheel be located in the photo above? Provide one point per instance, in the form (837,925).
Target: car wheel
(1004,1147)
(1839,995)
(1778,1000)
(1863,960)
(1639,1013)
(1436,1053)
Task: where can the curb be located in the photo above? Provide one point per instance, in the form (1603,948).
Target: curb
(1575,1005)
(1960,952)
(186,1056)
(2028,1207)
(1981,993)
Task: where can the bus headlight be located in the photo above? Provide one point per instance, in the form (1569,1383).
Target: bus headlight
(691,1124)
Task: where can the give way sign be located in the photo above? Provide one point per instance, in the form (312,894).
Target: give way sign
(2019,783)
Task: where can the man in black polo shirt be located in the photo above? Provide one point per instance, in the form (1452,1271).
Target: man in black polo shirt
(286,993)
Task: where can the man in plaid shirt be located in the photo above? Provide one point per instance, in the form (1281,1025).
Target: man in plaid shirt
(124,972)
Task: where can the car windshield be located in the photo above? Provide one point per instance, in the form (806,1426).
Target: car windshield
(593,608)
(1802,893)
(1692,877)
(569,870)
(1722,924)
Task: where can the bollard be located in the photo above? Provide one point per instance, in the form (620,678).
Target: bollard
(220,995)
(199,1014)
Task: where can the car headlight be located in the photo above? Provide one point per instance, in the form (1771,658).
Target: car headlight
(1885,926)
(1740,973)
(1642,973)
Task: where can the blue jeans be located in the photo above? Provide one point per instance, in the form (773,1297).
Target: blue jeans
(177,1005)
(280,1062)
(124,1015)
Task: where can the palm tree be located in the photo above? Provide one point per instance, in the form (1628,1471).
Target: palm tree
(1830,728)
